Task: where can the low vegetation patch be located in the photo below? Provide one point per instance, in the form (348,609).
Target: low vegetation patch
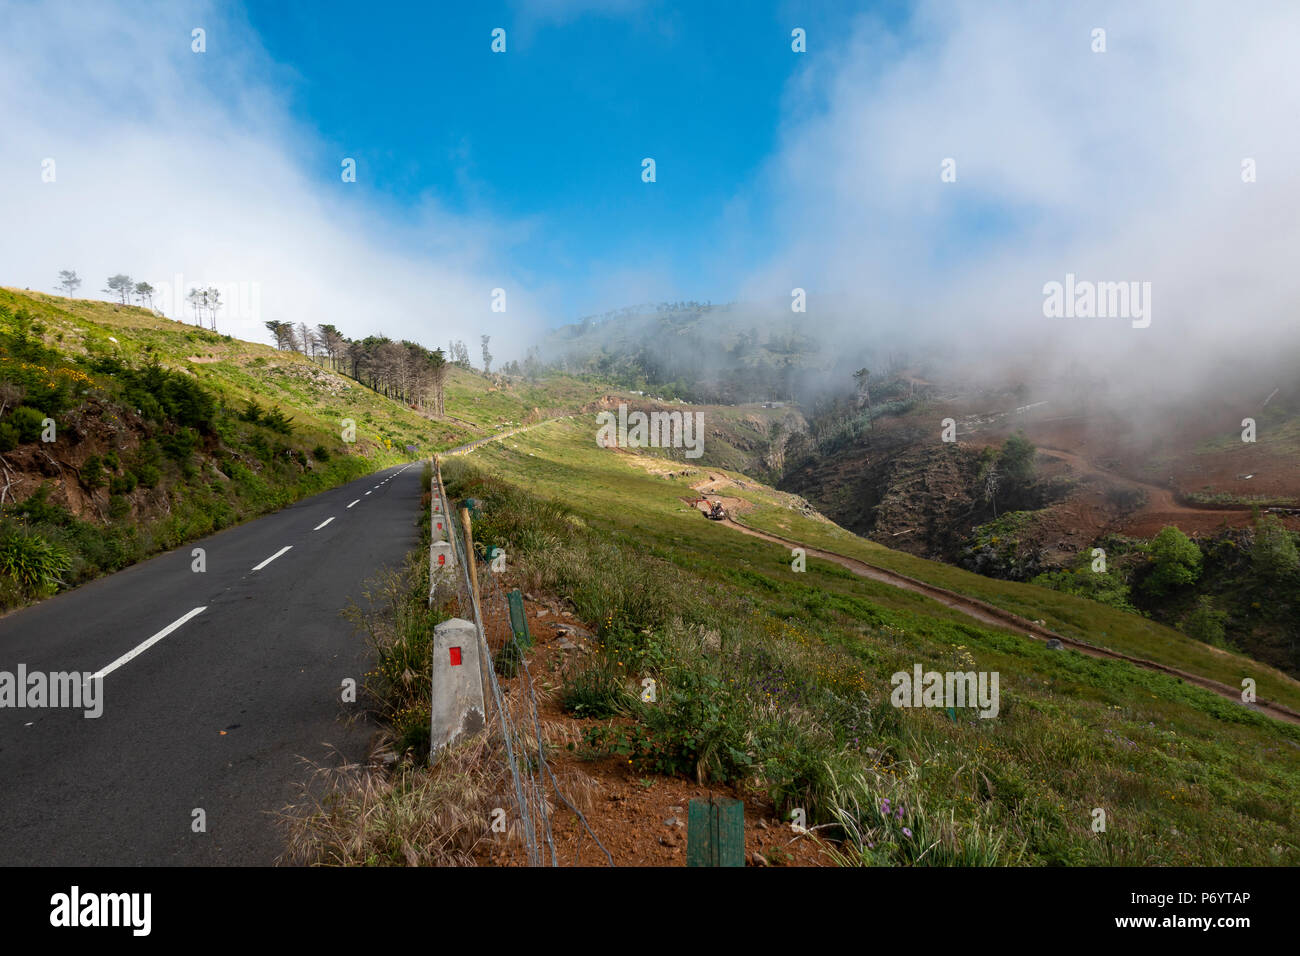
(106,460)
(779,684)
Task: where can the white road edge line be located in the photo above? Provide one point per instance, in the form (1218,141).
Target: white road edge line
(367,492)
(287,547)
(141,648)
(323,523)
(354,503)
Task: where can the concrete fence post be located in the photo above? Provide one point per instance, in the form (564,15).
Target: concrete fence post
(443,585)
(442,555)
(457,705)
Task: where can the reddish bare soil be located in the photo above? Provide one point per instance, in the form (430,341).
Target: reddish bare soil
(1166,456)
(639,818)
(1090,513)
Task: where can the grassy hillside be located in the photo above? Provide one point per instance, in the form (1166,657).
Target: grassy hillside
(164,432)
(780,680)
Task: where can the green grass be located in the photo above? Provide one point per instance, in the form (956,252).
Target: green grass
(780,680)
(563,461)
(167,432)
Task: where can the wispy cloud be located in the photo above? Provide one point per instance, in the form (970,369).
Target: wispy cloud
(173,162)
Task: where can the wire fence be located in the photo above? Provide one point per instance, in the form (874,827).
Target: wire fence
(515,712)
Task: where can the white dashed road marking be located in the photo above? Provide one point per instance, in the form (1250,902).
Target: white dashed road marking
(141,648)
(287,547)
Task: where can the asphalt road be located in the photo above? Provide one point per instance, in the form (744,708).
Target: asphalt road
(264,661)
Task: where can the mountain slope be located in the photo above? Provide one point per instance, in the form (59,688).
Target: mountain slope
(163,432)
(780,679)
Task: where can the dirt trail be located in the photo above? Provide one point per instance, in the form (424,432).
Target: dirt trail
(470,446)
(1159,499)
(996,616)
(972,607)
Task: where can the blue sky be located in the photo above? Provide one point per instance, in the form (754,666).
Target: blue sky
(775,170)
(554,130)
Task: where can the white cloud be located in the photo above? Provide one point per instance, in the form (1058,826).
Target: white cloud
(172,162)
(1114,166)
(1123,165)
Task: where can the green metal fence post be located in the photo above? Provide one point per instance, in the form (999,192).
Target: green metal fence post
(518,622)
(715,832)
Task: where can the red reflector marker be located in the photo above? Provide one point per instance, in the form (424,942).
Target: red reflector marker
(455,656)
(442,559)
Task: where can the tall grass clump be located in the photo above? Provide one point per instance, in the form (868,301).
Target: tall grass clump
(887,824)
(398,626)
(34,564)
(368,815)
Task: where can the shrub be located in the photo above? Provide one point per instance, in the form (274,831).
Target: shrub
(164,395)
(320,453)
(150,453)
(1125,499)
(699,727)
(38,509)
(1204,623)
(147,475)
(1105,587)
(1175,561)
(260,447)
(28,423)
(118,506)
(1273,554)
(92,472)
(508,660)
(147,406)
(277,421)
(122,484)
(1016,462)
(180,446)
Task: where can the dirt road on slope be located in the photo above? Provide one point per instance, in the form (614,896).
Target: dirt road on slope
(996,616)
(468,447)
(1158,499)
(1161,506)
